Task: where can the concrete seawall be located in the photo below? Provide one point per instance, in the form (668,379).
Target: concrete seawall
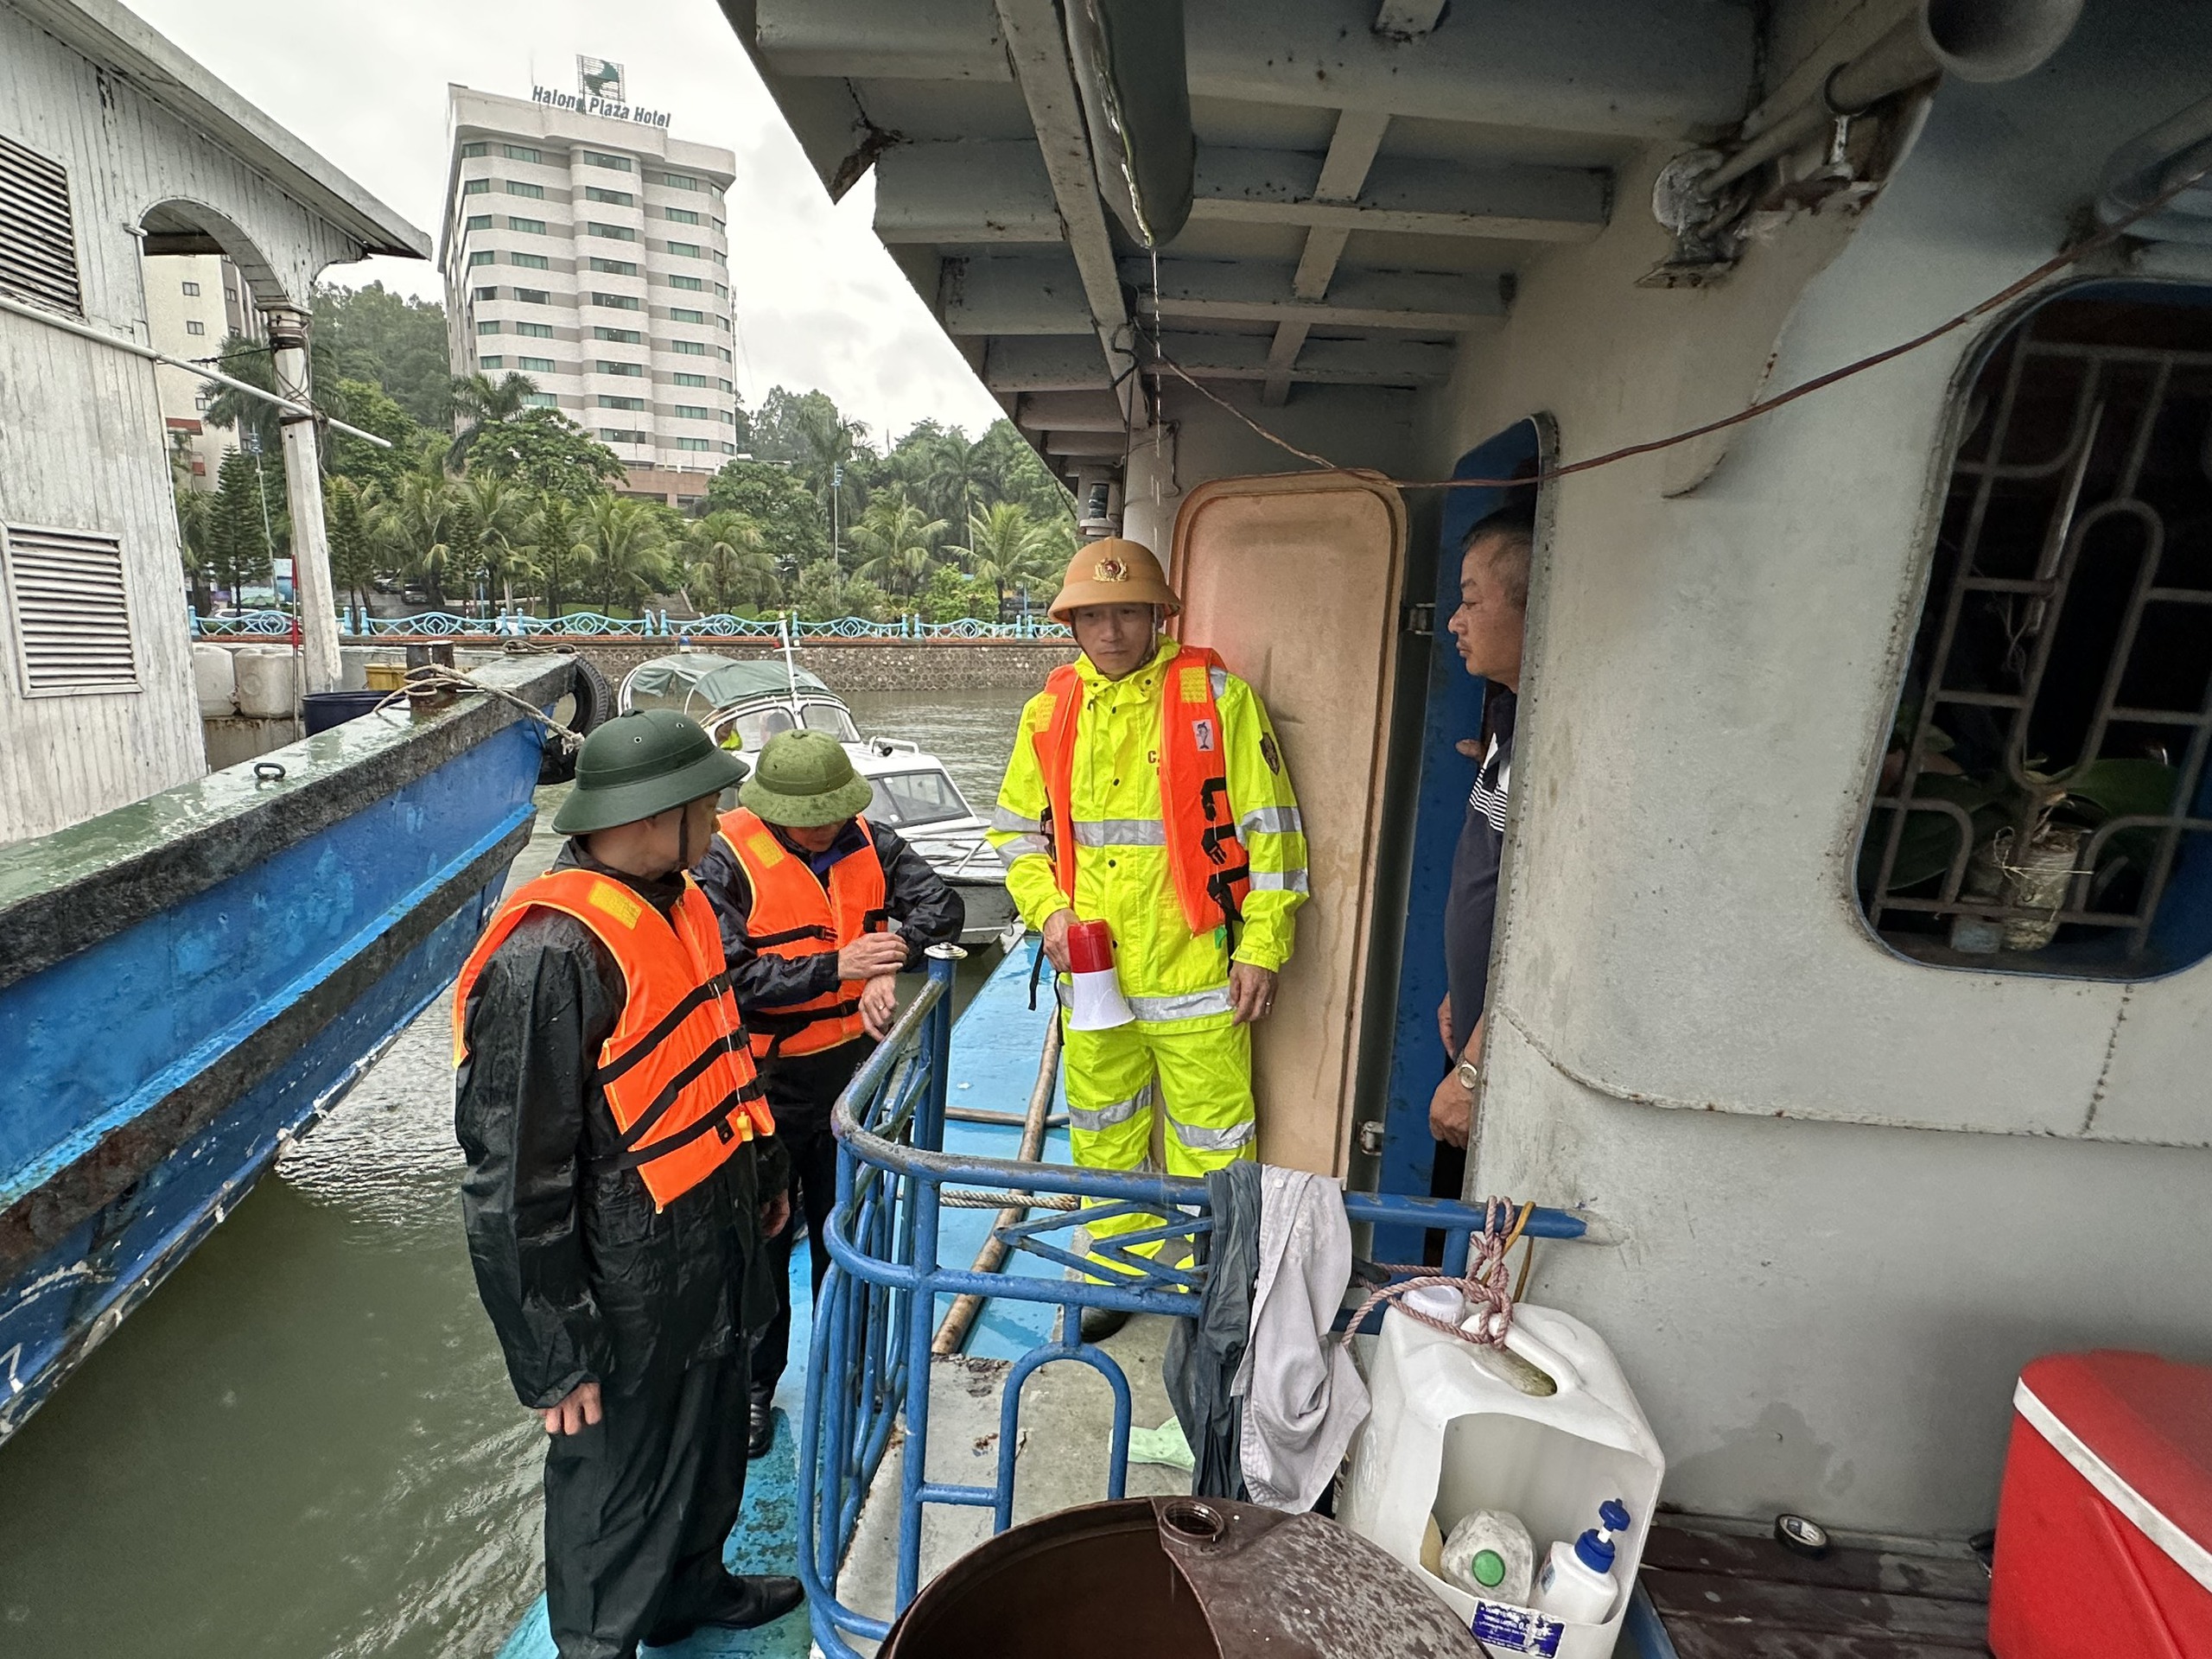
(869,665)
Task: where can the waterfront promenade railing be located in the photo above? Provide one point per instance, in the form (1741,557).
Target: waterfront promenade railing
(868,1367)
(653,625)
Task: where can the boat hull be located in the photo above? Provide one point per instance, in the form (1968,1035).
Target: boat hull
(193,982)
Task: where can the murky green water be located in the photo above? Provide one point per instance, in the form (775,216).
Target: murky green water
(304,1443)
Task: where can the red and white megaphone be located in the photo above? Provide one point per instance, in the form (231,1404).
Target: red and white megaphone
(1097,1003)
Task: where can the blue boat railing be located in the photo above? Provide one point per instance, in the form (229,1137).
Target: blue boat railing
(869,1366)
(653,625)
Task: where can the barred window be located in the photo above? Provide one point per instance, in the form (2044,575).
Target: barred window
(2045,805)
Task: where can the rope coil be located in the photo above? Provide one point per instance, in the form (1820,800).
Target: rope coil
(1486,1286)
(435,677)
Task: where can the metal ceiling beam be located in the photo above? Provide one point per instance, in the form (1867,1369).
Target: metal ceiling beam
(1012,293)
(1046,363)
(1241,291)
(1623,68)
(1406,195)
(1075,442)
(965,194)
(1068,411)
(1352,146)
(1326,362)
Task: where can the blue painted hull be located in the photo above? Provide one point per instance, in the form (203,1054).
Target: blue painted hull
(153,1075)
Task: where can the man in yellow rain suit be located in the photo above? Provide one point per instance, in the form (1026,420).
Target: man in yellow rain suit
(1146,790)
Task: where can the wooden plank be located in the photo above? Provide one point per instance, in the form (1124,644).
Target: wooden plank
(1699,1641)
(1715,1598)
(1957,1579)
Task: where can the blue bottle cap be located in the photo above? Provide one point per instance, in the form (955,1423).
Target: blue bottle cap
(1594,1552)
(1612,1515)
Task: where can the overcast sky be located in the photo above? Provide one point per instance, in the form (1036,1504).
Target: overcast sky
(818,303)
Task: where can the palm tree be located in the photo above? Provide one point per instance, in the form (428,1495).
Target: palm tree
(479,404)
(728,558)
(897,542)
(953,473)
(1006,546)
(501,512)
(626,538)
(347,510)
(558,549)
(424,523)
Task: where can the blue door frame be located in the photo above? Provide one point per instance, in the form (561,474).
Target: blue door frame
(1452,710)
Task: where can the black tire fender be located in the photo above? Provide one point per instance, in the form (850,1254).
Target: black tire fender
(595,702)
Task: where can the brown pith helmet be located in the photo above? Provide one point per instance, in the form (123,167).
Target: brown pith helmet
(1113,572)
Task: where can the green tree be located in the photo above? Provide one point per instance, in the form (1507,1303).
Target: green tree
(373,334)
(548,454)
(1016,474)
(1009,549)
(257,421)
(627,541)
(194,514)
(240,540)
(483,406)
(950,596)
(897,543)
(728,562)
(559,553)
(422,523)
(499,511)
(346,511)
(368,407)
(793,531)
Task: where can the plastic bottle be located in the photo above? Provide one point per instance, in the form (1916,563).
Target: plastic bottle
(1577,1585)
(1490,1554)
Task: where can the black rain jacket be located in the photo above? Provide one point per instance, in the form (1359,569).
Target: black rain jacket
(583,1281)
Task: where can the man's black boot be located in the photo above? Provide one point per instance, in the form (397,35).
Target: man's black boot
(743,1603)
(760,1427)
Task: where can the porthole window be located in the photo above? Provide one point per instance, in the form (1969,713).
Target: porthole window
(2045,804)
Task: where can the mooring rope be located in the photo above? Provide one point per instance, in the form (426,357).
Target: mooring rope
(1486,1286)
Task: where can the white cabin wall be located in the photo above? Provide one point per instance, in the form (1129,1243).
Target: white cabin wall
(81,440)
(1822,1309)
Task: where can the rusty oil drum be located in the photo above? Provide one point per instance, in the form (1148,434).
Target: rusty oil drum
(1177,1577)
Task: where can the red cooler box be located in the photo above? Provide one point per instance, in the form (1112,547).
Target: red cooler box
(2104,1533)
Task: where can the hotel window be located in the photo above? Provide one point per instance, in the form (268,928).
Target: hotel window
(611,435)
(693,412)
(681,215)
(475,187)
(694,444)
(687,250)
(689,283)
(535,330)
(606,366)
(613,232)
(718,256)
(688,347)
(541,400)
(531,261)
(518,188)
(488,294)
(534,227)
(195,327)
(522,153)
(191,290)
(608,400)
(729,448)
(680,182)
(477,222)
(531,297)
(726,387)
(679,314)
(614,163)
(2044,804)
(683,379)
(621,336)
(617,301)
(721,228)
(729,417)
(721,290)
(614,267)
(725,351)
(493,362)
(536,364)
(613,198)
(475,148)
(487,328)
(482,256)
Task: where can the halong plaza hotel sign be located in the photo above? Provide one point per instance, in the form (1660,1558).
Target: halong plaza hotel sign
(600,91)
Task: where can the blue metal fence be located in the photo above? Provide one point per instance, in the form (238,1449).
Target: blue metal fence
(869,1368)
(659,625)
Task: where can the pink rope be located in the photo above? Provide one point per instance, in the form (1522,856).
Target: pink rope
(1487,1286)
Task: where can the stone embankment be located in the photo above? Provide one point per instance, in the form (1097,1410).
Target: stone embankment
(869,664)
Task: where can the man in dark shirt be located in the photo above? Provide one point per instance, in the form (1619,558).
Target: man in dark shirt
(800,881)
(1487,628)
(617,1237)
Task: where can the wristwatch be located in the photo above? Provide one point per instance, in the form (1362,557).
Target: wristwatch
(1469,1075)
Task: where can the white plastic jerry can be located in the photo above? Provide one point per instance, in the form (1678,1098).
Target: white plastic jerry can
(1547,1431)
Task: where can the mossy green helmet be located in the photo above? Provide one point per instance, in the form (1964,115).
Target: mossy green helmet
(641,765)
(805,779)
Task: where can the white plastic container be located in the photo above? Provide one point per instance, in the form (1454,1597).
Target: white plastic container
(1578,1585)
(264,681)
(215,679)
(1452,1430)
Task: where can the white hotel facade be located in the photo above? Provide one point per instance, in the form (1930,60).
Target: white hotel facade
(592,254)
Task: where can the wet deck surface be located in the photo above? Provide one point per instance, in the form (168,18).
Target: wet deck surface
(1725,1597)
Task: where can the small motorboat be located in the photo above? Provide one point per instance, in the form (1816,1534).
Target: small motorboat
(744,704)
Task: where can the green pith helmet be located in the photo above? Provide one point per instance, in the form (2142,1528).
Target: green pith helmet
(805,780)
(639,764)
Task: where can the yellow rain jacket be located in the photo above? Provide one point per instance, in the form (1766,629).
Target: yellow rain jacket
(1122,875)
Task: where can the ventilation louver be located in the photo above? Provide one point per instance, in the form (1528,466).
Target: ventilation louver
(69,614)
(38,245)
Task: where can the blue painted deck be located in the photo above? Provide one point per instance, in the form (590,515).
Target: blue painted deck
(995,1050)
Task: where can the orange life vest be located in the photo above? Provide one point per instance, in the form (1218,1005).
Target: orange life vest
(794,916)
(1212,873)
(675,1070)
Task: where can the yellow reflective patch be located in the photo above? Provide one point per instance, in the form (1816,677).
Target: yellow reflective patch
(1194,685)
(623,907)
(1043,715)
(762,846)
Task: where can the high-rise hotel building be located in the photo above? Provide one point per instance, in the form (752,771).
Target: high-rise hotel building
(592,254)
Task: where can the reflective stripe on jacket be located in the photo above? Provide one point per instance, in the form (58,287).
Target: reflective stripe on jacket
(676,1072)
(793,915)
(1169,970)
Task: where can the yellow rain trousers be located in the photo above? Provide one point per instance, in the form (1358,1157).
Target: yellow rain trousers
(1182,1054)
